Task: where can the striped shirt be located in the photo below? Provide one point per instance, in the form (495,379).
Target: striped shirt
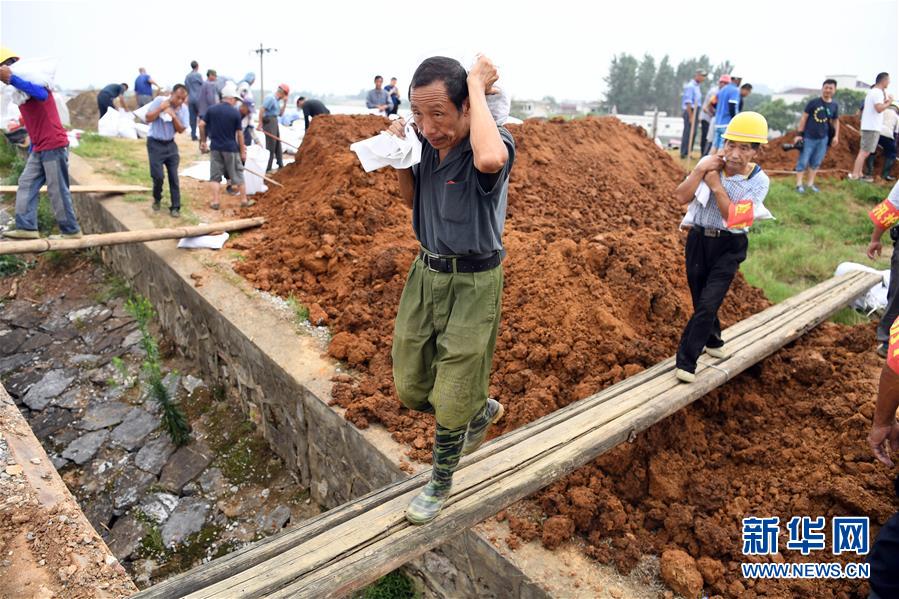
(738,188)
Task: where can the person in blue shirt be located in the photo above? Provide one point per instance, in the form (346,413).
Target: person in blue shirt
(272,108)
(167,116)
(194,83)
(143,87)
(728,108)
(393,92)
(106,97)
(691,101)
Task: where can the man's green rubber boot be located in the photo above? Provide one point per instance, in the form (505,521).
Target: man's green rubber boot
(480,424)
(447,451)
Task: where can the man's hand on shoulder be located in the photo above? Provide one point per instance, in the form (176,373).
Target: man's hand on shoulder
(711,163)
(483,76)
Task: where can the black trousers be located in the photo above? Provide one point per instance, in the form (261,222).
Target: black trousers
(712,263)
(104,103)
(164,154)
(193,109)
(892,309)
(704,136)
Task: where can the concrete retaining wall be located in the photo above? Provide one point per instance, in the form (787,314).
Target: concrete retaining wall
(282,382)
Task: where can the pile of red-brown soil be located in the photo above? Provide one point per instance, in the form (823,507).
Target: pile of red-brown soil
(83,111)
(595,289)
(785,439)
(839,158)
(595,292)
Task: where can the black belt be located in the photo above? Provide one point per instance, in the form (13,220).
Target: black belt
(713,232)
(161,141)
(462,264)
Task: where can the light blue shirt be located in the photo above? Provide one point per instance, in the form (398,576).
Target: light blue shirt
(165,130)
(692,95)
(272,106)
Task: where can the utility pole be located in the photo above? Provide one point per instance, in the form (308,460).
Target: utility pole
(260,51)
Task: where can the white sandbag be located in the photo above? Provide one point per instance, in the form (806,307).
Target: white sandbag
(198,170)
(39,71)
(386,149)
(257,160)
(117,123)
(142,130)
(875,299)
(141,113)
(292,136)
(62,108)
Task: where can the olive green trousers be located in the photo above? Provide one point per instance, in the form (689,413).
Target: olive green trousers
(443,341)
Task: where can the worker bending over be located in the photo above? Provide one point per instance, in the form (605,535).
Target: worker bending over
(723,192)
(445,330)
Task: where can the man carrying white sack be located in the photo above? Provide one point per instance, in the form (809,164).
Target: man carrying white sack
(48,158)
(726,192)
(446,325)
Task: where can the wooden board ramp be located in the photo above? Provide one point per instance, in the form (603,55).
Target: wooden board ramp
(29,246)
(354,544)
(112,189)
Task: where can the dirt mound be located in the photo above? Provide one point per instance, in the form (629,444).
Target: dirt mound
(841,157)
(595,289)
(83,112)
(595,292)
(768,444)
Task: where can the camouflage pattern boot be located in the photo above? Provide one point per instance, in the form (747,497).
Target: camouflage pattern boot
(480,424)
(447,451)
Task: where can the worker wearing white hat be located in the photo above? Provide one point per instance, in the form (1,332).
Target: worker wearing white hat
(228,152)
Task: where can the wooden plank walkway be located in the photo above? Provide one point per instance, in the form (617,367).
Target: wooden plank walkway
(351,546)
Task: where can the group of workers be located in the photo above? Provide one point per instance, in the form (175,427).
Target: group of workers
(711,116)
(449,312)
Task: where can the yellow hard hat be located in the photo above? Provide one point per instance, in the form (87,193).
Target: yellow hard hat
(748,127)
(7,54)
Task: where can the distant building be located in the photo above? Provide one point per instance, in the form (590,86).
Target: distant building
(794,94)
(535,109)
(668,129)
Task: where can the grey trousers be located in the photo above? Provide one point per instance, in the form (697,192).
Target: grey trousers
(892,311)
(270,124)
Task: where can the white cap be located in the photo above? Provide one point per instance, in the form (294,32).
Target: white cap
(230,90)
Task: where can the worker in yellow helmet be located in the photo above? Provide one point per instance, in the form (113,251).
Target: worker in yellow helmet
(724,192)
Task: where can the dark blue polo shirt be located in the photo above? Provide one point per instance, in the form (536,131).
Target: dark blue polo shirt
(451,213)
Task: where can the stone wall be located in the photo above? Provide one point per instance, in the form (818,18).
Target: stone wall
(222,332)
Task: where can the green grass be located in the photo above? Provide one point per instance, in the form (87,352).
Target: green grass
(125,160)
(813,233)
(395,585)
(300,311)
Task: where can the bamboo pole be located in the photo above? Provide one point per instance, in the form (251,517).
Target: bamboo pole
(88,241)
(269,179)
(273,136)
(86,188)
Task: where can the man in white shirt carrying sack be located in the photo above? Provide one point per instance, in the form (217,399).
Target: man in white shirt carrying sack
(876,102)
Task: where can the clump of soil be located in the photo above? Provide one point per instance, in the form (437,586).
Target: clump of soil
(595,289)
(83,111)
(840,157)
(783,439)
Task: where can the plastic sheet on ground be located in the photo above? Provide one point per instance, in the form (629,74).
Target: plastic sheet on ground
(257,160)
(875,300)
(211,242)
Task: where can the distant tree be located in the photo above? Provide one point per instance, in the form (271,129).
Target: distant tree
(646,74)
(621,92)
(753,101)
(723,68)
(780,115)
(665,89)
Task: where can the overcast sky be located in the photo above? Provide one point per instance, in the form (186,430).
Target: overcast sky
(561,49)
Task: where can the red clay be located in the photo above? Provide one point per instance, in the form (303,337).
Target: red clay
(595,292)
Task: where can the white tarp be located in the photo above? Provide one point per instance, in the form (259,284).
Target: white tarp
(875,300)
(257,160)
(212,242)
